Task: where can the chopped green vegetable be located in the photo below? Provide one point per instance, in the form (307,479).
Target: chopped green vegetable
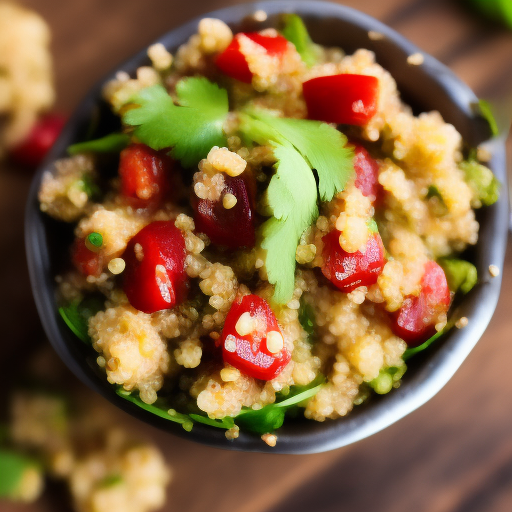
(111,480)
(271,417)
(460,274)
(307,319)
(292,198)
(159,409)
(191,129)
(387,377)
(76,314)
(296,32)
(13,467)
(112,143)
(95,239)
(372,226)
(88,185)
(482,182)
(433,191)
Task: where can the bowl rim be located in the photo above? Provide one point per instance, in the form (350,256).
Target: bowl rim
(318,437)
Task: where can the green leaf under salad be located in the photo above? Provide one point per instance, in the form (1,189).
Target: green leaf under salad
(112,143)
(460,274)
(296,32)
(271,417)
(191,128)
(76,315)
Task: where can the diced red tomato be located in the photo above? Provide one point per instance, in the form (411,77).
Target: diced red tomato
(233,227)
(367,174)
(259,353)
(232,61)
(347,271)
(342,99)
(88,263)
(155,277)
(31,151)
(145,175)
(414,321)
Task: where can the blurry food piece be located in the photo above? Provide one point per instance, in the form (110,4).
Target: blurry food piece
(106,469)
(21,478)
(498,10)
(31,151)
(26,81)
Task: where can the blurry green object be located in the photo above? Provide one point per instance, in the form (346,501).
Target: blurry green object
(20,477)
(483,183)
(498,10)
(296,32)
(461,275)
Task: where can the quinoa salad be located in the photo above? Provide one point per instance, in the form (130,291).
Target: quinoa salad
(271,233)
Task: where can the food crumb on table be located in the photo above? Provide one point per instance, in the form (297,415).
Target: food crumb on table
(461,322)
(270,439)
(494,270)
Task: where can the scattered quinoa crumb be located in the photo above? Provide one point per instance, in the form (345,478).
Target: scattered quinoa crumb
(260,15)
(233,433)
(375,36)
(416,59)
(229,201)
(461,322)
(270,439)
(494,270)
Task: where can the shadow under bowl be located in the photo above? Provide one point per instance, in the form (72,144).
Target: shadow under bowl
(430,86)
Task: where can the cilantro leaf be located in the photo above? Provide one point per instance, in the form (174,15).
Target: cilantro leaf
(191,129)
(296,32)
(111,143)
(292,197)
(271,417)
(227,422)
(460,274)
(323,146)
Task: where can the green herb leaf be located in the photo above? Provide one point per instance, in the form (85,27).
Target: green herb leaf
(226,422)
(387,377)
(420,348)
(271,417)
(321,145)
(112,143)
(292,197)
(460,274)
(88,185)
(307,319)
(191,129)
(487,112)
(76,315)
(296,32)
(482,181)
(111,480)
(159,409)
(12,469)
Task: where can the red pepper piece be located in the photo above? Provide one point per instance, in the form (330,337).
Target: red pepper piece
(155,277)
(145,175)
(367,174)
(232,61)
(31,151)
(342,99)
(233,227)
(249,352)
(347,271)
(87,262)
(414,321)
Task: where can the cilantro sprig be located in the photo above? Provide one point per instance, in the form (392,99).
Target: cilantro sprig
(191,129)
(194,125)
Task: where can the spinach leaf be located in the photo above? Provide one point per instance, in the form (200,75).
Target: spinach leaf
(76,315)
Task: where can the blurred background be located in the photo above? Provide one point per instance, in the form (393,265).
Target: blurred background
(452,455)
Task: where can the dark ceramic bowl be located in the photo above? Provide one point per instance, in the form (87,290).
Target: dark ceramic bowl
(425,87)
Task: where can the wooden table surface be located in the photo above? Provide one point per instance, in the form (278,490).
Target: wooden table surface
(452,455)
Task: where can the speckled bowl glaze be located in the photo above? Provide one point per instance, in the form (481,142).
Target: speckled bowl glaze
(426,87)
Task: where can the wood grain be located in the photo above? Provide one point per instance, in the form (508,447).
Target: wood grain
(452,455)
